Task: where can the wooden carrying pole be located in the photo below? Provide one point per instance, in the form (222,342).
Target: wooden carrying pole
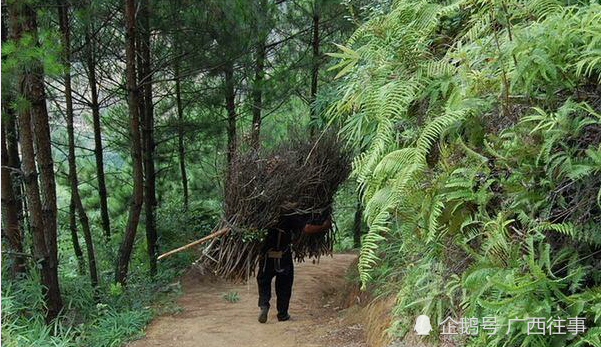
(197,242)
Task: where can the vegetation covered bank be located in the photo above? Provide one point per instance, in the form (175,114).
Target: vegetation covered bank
(479,130)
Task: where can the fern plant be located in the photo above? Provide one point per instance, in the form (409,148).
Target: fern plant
(478,131)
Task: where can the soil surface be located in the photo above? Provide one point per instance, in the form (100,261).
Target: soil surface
(206,319)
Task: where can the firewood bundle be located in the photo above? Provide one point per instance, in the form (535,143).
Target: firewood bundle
(298,177)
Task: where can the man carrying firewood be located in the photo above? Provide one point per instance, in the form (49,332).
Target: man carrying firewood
(276,260)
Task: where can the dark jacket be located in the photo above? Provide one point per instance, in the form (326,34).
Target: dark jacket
(287,229)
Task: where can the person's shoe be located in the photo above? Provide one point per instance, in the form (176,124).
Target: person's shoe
(284,317)
(263,314)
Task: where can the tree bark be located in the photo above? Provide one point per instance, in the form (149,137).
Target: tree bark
(149,145)
(180,113)
(42,202)
(41,127)
(42,209)
(230,105)
(49,276)
(180,133)
(139,83)
(10,212)
(90,61)
(81,264)
(136,151)
(11,189)
(315,65)
(257,93)
(14,161)
(63,12)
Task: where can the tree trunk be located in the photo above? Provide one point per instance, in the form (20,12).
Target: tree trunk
(357,223)
(315,65)
(81,264)
(11,189)
(98,151)
(63,12)
(10,212)
(25,210)
(257,93)
(230,105)
(180,133)
(41,128)
(42,209)
(49,277)
(136,151)
(15,162)
(149,182)
(140,87)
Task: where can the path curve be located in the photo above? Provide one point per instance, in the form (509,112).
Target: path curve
(207,320)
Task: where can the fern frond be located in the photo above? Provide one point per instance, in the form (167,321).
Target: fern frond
(567,229)
(543,8)
(395,161)
(436,128)
(435,211)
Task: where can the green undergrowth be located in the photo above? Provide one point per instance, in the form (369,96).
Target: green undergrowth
(112,315)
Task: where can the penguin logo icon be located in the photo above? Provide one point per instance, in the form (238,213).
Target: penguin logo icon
(422,325)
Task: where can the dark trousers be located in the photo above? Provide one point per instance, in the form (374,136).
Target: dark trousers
(283,270)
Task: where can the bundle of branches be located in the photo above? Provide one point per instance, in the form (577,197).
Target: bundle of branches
(298,177)
(313,245)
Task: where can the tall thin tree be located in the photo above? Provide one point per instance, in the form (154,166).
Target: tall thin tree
(181,150)
(135,207)
(63,15)
(11,204)
(180,128)
(90,62)
(257,92)
(10,214)
(41,198)
(315,62)
(81,263)
(14,161)
(148,127)
(230,106)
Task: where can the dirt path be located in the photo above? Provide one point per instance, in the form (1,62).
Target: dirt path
(208,320)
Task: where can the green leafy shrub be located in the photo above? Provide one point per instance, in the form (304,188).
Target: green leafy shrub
(114,314)
(481,175)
